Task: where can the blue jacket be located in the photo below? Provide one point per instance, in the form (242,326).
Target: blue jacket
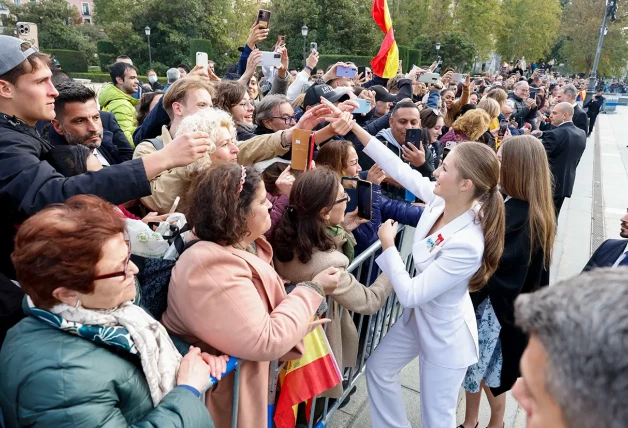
(151,127)
(114,147)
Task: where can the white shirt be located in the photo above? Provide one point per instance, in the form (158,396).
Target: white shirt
(100,157)
(621,257)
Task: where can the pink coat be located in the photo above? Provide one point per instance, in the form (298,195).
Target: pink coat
(228,301)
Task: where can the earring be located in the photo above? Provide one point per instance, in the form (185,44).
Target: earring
(78,303)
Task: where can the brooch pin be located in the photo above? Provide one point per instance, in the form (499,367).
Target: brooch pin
(431,245)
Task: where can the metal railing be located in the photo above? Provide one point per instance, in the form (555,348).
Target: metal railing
(371,329)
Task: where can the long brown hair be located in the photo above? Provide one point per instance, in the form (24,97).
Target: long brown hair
(302,228)
(525,175)
(334,155)
(478,163)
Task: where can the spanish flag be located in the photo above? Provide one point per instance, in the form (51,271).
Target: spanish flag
(386,63)
(304,378)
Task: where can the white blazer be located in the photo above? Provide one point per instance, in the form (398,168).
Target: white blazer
(445,262)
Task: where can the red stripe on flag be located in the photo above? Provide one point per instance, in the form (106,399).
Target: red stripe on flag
(299,385)
(378,64)
(378,13)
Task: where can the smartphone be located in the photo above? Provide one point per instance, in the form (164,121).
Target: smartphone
(27,31)
(429,77)
(342,71)
(364,106)
(302,149)
(263,18)
(438,65)
(270,59)
(457,77)
(281,40)
(202,59)
(351,188)
(365,199)
(362,71)
(503,126)
(533,93)
(414,136)
(174,205)
(313,47)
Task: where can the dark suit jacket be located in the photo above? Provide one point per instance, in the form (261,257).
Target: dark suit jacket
(580,118)
(564,146)
(517,273)
(115,146)
(606,254)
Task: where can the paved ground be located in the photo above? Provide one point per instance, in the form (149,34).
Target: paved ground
(572,250)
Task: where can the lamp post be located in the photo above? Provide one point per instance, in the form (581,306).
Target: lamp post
(150,57)
(609,10)
(304,34)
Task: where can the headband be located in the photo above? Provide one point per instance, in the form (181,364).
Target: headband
(242,179)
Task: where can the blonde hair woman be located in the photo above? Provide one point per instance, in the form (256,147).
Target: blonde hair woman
(468,127)
(457,246)
(526,184)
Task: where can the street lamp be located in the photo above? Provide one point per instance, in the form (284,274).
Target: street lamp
(150,57)
(609,11)
(304,34)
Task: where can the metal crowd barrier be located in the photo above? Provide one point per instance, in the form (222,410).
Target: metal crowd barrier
(371,329)
(610,105)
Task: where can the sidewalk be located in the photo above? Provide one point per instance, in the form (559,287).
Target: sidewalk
(572,250)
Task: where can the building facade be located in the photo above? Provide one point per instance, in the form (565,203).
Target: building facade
(85,8)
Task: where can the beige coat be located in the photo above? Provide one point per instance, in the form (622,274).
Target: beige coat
(228,301)
(350,294)
(175,182)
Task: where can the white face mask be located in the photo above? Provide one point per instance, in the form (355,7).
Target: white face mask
(152,79)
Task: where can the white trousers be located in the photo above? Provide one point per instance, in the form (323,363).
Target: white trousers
(439,386)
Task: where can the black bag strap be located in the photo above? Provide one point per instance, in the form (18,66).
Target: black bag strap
(157,143)
(189,244)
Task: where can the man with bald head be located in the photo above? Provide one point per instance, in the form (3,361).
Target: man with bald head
(564,146)
(568,94)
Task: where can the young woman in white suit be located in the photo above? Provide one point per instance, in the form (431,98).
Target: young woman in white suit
(458,244)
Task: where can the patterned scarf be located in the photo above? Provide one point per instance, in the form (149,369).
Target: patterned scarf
(344,239)
(127,327)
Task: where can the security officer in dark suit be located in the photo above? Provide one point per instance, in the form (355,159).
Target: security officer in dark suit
(594,105)
(612,252)
(564,146)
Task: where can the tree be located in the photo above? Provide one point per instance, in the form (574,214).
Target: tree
(54,20)
(338,27)
(527,28)
(455,51)
(477,21)
(580,29)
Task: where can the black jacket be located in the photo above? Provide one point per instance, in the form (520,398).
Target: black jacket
(115,146)
(27,184)
(516,274)
(594,105)
(580,119)
(607,254)
(564,146)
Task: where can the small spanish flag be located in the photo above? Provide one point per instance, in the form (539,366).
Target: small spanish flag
(386,63)
(304,378)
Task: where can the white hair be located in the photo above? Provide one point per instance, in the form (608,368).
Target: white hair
(209,120)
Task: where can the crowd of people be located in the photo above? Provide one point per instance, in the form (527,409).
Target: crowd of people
(480,168)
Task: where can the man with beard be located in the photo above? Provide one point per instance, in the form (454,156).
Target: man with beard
(612,252)
(78,121)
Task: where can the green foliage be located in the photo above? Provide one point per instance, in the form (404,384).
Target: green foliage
(528,28)
(580,41)
(342,27)
(107,53)
(455,51)
(51,17)
(325,61)
(200,45)
(403,56)
(69,60)
(477,21)
(414,57)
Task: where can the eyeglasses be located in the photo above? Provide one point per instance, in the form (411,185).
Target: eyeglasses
(122,273)
(287,119)
(246,104)
(345,198)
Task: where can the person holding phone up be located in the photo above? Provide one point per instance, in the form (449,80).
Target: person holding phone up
(457,246)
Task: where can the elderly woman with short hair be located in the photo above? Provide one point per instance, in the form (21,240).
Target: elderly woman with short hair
(85,355)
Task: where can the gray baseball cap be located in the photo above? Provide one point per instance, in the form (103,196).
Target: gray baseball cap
(11,53)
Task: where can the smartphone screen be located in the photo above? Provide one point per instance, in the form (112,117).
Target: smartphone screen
(281,40)
(342,71)
(365,199)
(202,59)
(263,18)
(414,136)
(313,47)
(503,126)
(351,188)
(362,71)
